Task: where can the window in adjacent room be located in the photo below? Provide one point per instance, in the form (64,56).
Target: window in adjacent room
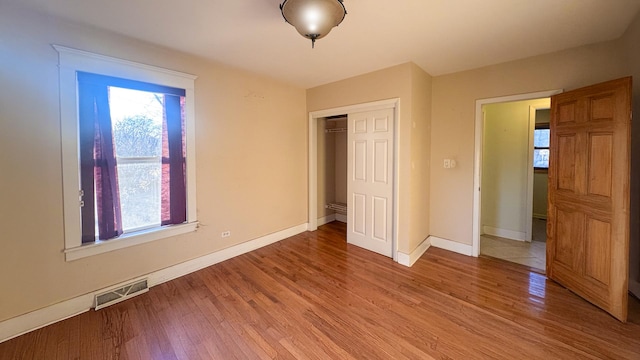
(541,146)
(127,132)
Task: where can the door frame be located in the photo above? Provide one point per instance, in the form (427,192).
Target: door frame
(477,167)
(394,104)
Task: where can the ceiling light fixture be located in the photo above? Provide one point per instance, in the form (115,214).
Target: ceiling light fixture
(313,18)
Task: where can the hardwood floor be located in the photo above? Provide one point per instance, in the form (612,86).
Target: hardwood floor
(313,296)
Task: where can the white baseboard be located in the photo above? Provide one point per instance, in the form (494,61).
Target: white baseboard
(326,219)
(333,217)
(504,233)
(450,245)
(410,259)
(34,320)
(634,288)
(46,316)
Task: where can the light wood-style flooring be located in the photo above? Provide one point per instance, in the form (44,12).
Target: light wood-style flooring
(531,254)
(312,296)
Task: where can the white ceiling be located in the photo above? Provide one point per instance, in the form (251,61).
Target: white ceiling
(440,36)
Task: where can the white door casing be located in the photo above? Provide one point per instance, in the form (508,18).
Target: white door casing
(370,180)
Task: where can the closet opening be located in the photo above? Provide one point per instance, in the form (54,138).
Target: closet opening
(332,169)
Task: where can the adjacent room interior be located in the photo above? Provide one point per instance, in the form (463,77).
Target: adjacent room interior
(515,163)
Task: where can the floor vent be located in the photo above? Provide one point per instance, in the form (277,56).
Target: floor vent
(122,293)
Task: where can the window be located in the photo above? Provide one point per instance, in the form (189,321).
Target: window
(128,131)
(541,146)
(128,152)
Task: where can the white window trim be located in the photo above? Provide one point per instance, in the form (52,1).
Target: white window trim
(70,62)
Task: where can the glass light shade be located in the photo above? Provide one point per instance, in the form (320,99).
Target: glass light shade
(313,19)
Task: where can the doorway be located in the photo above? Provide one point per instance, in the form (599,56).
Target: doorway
(332,169)
(500,222)
(514,169)
(363,206)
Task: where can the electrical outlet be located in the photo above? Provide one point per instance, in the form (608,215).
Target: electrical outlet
(226,234)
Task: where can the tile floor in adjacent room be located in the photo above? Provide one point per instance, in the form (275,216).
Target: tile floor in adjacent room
(531,254)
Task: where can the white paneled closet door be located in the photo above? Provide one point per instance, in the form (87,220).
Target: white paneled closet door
(370,180)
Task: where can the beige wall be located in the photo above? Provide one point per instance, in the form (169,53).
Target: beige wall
(505,164)
(453,119)
(420,157)
(410,84)
(251,163)
(540,188)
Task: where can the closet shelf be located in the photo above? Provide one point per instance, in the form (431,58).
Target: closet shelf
(338,207)
(338,118)
(336,130)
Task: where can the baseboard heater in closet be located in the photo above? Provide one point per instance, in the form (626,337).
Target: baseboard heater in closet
(337,207)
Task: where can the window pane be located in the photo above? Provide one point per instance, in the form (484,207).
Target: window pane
(139,194)
(541,158)
(137,122)
(137,131)
(541,138)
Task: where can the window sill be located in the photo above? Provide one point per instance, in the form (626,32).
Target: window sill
(128,240)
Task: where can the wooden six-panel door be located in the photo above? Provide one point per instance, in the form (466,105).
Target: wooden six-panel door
(370,180)
(588,216)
